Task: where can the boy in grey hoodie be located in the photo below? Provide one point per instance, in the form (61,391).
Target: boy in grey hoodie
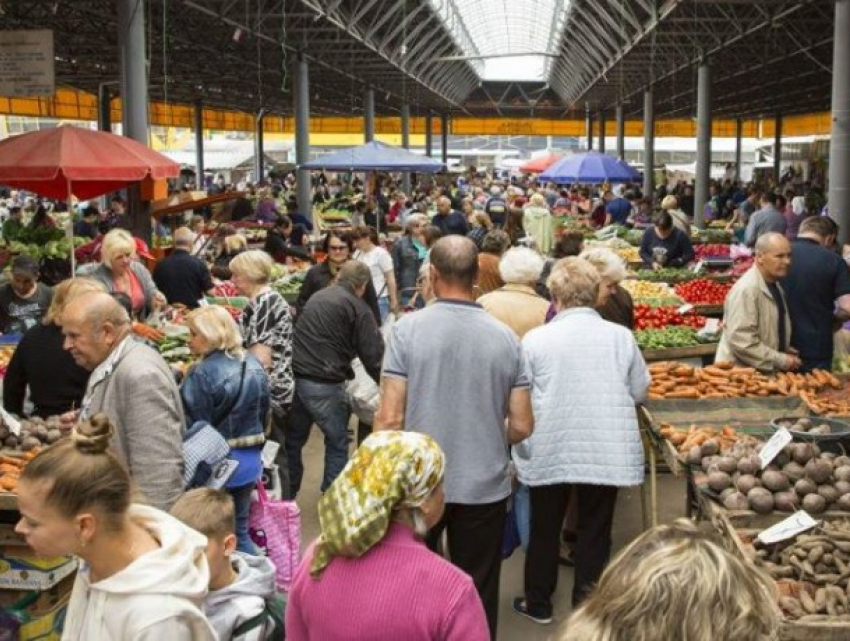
(240,584)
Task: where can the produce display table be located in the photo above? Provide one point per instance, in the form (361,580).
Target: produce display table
(715,311)
(676,353)
(738,529)
(745,414)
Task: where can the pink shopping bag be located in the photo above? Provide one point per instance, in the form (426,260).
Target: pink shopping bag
(275,528)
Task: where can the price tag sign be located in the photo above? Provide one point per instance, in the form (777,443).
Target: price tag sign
(11,422)
(774,446)
(790,527)
(684,309)
(712,325)
(269,453)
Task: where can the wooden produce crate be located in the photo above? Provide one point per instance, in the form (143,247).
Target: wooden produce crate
(676,353)
(715,311)
(738,530)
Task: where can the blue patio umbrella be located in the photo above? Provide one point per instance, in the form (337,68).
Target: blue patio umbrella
(590,167)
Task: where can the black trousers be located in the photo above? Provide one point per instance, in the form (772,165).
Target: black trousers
(278,423)
(474,535)
(595,505)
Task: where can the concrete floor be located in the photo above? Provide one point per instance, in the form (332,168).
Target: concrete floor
(628,523)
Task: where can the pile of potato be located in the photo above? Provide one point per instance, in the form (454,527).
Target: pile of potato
(806,426)
(674,380)
(800,477)
(35,432)
(812,571)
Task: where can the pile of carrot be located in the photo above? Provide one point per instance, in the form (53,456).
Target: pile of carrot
(835,406)
(684,439)
(11,468)
(148,332)
(672,380)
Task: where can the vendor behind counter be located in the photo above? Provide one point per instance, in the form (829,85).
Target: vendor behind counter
(23,301)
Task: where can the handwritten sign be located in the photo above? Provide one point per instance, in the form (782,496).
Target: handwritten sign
(774,446)
(790,527)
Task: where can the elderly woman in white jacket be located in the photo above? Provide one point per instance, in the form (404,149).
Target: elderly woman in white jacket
(586,374)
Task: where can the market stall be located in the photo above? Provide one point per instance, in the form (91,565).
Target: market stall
(767,468)
(375,156)
(34,591)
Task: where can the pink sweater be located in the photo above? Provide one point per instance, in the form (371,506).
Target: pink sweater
(397,590)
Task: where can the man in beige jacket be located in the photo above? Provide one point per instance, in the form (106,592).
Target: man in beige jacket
(757,327)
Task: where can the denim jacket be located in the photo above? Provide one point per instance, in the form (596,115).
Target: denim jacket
(210,388)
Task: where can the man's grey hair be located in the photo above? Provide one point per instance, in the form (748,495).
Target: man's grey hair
(769,241)
(184,237)
(354,274)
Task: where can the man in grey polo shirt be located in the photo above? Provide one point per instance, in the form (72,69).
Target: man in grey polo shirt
(455,373)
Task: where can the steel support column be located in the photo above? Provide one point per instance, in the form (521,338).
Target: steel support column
(649,145)
(429,136)
(588,128)
(134,99)
(839,148)
(444,138)
(703,176)
(369,115)
(104,113)
(259,149)
(301,95)
(199,145)
(405,143)
(601,116)
(621,133)
(777,148)
(739,135)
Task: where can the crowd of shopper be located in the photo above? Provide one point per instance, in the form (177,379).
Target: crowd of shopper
(489,374)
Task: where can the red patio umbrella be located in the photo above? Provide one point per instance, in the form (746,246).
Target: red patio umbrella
(69,160)
(537,165)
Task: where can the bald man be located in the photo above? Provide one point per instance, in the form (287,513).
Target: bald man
(757,325)
(135,388)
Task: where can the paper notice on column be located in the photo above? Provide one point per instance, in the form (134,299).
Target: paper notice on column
(27,65)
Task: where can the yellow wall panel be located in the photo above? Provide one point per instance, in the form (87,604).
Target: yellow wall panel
(71,104)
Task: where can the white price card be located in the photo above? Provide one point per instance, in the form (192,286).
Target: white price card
(11,422)
(712,325)
(774,446)
(792,526)
(684,309)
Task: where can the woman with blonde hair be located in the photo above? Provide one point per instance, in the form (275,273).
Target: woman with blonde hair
(143,573)
(266,326)
(229,389)
(121,271)
(40,362)
(677,583)
(480,225)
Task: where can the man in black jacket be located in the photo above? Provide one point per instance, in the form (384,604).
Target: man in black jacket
(334,327)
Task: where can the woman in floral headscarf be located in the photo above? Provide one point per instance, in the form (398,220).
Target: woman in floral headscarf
(369,574)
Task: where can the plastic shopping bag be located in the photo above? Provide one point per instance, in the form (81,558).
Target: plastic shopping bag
(275,528)
(363,393)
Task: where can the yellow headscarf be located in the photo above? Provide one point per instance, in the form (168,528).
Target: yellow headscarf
(390,470)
